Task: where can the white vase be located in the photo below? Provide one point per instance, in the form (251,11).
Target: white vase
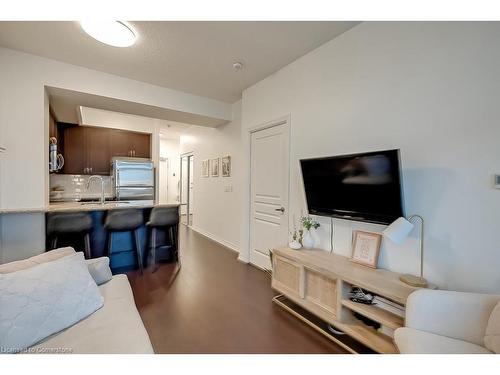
(308,240)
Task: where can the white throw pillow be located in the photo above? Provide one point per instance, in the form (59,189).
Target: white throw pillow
(492,337)
(46,257)
(99,269)
(40,301)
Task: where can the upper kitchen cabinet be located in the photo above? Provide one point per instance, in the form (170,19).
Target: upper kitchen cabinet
(98,143)
(75,151)
(126,143)
(141,145)
(89,150)
(53,129)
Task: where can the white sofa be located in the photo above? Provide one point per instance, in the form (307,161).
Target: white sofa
(116,327)
(445,322)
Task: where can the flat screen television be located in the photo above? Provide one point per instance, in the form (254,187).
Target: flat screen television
(363,187)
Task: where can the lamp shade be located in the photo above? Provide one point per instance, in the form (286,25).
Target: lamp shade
(398,230)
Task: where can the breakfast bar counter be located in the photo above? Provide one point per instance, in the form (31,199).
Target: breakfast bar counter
(109,205)
(86,206)
(123,255)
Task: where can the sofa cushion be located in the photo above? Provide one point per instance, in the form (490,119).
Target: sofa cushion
(413,341)
(45,299)
(99,269)
(115,328)
(492,336)
(46,257)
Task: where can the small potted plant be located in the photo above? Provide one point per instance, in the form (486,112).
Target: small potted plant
(309,224)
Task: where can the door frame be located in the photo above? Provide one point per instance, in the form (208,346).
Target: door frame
(167,173)
(188,155)
(283,120)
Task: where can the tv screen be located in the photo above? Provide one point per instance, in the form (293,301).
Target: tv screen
(363,187)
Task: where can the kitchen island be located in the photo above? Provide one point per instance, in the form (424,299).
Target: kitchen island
(123,257)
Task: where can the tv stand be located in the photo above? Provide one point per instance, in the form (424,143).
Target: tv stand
(319,282)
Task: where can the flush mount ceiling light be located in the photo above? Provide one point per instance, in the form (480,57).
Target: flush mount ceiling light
(113,33)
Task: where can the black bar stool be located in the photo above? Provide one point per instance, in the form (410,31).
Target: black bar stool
(124,220)
(168,218)
(66,223)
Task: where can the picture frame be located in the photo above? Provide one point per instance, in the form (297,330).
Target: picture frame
(226,166)
(205,168)
(366,248)
(214,167)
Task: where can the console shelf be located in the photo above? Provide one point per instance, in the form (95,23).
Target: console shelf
(373,312)
(368,336)
(319,282)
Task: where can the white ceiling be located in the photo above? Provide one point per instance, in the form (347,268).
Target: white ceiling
(195,57)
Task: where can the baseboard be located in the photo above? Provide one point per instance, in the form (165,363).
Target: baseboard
(217,239)
(242,260)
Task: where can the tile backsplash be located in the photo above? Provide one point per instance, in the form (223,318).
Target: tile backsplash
(68,187)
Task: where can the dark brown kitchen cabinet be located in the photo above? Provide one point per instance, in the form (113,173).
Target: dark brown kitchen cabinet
(74,151)
(98,150)
(89,150)
(141,145)
(125,143)
(121,145)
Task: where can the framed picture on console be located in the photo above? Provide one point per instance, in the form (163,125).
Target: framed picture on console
(366,248)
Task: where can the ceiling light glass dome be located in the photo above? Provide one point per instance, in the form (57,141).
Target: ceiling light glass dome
(113,33)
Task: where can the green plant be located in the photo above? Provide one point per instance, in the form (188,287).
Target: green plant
(308,223)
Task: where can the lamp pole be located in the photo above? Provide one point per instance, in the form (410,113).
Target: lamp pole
(417,281)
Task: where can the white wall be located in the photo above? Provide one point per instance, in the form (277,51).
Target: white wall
(169,170)
(217,212)
(430,89)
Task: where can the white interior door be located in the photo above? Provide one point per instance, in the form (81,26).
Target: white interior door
(269,192)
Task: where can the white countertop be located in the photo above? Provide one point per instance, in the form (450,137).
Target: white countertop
(88,206)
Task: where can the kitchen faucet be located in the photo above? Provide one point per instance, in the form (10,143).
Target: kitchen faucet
(102,185)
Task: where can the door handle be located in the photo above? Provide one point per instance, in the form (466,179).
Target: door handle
(282,209)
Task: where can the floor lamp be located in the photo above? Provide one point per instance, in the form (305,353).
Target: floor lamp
(397,232)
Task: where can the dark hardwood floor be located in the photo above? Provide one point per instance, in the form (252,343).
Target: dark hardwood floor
(217,304)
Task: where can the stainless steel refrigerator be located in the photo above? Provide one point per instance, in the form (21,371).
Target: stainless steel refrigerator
(133,178)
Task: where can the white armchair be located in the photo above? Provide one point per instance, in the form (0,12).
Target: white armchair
(439,321)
